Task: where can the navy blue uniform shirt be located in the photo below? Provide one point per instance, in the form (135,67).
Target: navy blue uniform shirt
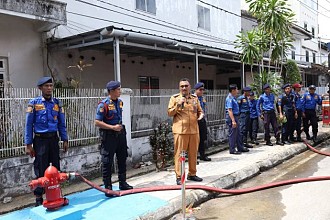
(231,102)
(253,108)
(286,101)
(243,103)
(267,102)
(298,101)
(43,116)
(110,111)
(202,101)
(309,101)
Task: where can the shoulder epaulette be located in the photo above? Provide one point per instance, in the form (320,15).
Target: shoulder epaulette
(194,95)
(176,95)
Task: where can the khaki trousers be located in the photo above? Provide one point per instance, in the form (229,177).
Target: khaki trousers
(188,143)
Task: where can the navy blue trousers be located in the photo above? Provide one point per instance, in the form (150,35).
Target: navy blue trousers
(310,116)
(297,123)
(288,127)
(253,130)
(234,135)
(46,152)
(270,118)
(244,125)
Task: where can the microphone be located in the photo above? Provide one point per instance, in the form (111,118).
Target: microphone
(182,105)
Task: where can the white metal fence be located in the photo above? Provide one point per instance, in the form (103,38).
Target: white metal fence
(79,105)
(149,107)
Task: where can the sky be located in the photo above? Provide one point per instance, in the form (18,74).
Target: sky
(324,20)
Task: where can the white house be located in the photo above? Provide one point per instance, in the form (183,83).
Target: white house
(147,43)
(23,24)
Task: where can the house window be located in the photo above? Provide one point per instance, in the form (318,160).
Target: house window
(208,84)
(146,5)
(313,32)
(314,58)
(149,88)
(305,26)
(293,54)
(203,17)
(307,56)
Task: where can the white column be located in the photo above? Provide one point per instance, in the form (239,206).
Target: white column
(126,98)
(116,56)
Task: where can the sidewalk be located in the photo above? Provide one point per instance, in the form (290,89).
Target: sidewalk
(224,171)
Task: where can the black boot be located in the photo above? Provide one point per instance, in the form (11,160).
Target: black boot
(108,185)
(123,185)
(39,201)
(269,143)
(308,137)
(278,142)
(314,138)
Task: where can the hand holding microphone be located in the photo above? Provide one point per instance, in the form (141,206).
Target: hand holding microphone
(182,101)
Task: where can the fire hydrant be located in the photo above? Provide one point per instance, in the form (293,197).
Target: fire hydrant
(51,183)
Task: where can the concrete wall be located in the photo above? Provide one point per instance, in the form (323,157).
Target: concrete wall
(102,70)
(21,45)
(182,26)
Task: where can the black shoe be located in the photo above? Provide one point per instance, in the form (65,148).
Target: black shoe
(299,139)
(206,158)
(178,181)
(308,137)
(123,185)
(290,141)
(254,142)
(110,188)
(194,178)
(269,143)
(248,146)
(235,152)
(314,139)
(280,143)
(244,150)
(39,201)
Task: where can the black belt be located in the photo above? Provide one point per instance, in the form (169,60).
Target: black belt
(269,112)
(245,112)
(236,114)
(46,135)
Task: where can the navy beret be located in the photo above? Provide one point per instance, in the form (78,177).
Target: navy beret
(286,85)
(312,87)
(266,86)
(232,86)
(112,85)
(44,80)
(199,85)
(251,93)
(247,89)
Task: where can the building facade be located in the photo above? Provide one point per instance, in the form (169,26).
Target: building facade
(147,43)
(22,25)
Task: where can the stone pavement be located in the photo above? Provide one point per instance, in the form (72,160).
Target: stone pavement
(224,171)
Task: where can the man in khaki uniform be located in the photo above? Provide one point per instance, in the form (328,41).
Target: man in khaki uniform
(186,111)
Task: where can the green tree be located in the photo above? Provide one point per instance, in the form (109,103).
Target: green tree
(272,36)
(291,73)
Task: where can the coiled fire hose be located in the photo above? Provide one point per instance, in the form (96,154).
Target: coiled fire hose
(209,188)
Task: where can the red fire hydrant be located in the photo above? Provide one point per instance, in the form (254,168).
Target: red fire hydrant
(51,183)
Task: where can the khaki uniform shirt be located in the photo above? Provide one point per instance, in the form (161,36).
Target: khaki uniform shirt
(184,119)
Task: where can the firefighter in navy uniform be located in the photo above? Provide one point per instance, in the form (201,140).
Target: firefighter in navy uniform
(298,103)
(45,118)
(113,136)
(244,115)
(266,111)
(309,101)
(287,108)
(199,91)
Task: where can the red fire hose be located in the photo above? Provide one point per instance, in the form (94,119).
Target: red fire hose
(209,188)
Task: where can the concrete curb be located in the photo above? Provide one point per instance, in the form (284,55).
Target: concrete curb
(228,181)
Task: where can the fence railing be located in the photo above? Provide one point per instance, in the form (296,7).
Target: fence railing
(79,105)
(149,107)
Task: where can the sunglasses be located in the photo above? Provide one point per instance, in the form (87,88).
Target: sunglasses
(184,86)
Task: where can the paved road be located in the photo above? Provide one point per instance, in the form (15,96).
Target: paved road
(301,201)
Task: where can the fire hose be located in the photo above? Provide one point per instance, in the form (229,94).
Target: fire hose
(210,188)
(54,199)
